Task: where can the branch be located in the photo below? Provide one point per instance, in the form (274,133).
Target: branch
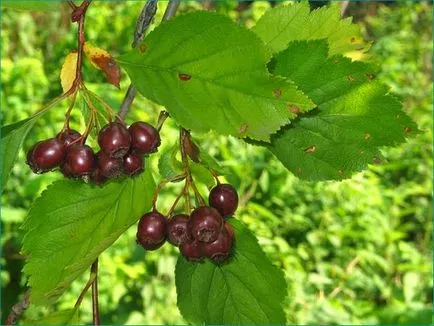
(95,305)
(143,22)
(18,309)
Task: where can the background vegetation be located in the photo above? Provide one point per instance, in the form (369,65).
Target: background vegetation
(357,251)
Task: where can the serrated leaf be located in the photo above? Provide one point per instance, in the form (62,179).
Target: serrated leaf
(168,165)
(71,223)
(63,317)
(247,290)
(210,73)
(211,163)
(12,138)
(355,116)
(68,71)
(31,5)
(286,23)
(102,60)
(202,174)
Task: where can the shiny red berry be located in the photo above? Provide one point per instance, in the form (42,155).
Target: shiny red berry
(205,224)
(224,198)
(97,178)
(46,155)
(152,231)
(144,137)
(68,136)
(114,140)
(133,164)
(191,250)
(220,249)
(109,167)
(79,161)
(177,231)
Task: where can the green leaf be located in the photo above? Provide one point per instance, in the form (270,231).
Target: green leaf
(31,5)
(71,223)
(246,290)
(168,165)
(12,138)
(286,23)
(355,116)
(202,174)
(63,317)
(210,73)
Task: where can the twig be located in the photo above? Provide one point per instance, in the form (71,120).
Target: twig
(142,25)
(18,309)
(86,287)
(95,305)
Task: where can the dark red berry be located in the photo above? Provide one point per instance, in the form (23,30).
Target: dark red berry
(220,249)
(144,137)
(224,198)
(177,231)
(114,140)
(205,224)
(46,155)
(229,229)
(191,250)
(152,231)
(109,167)
(97,177)
(133,164)
(68,136)
(79,161)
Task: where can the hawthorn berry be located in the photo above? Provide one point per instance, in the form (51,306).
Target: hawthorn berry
(205,224)
(109,167)
(114,140)
(97,177)
(152,230)
(68,136)
(133,164)
(177,230)
(191,250)
(79,161)
(224,198)
(46,155)
(144,137)
(220,249)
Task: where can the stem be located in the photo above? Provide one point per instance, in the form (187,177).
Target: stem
(18,309)
(161,186)
(83,292)
(95,305)
(142,25)
(161,118)
(68,113)
(177,200)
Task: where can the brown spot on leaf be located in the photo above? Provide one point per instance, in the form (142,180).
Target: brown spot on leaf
(143,47)
(277,92)
(299,170)
(370,76)
(243,128)
(341,171)
(367,136)
(336,61)
(184,77)
(310,149)
(362,152)
(408,129)
(353,39)
(351,78)
(376,160)
(398,116)
(294,109)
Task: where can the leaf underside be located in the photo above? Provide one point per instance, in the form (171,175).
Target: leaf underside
(210,73)
(246,290)
(71,223)
(286,23)
(355,115)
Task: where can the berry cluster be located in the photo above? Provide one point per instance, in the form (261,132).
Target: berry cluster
(204,233)
(121,152)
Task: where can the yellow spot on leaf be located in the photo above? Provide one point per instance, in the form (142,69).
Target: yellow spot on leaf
(243,128)
(367,136)
(310,149)
(68,71)
(277,92)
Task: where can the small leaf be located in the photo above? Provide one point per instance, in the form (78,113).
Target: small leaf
(355,117)
(286,23)
(102,60)
(31,5)
(202,174)
(246,290)
(168,165)
(63,317)
(12,138)
(72,223)
(68,71)
(213,79)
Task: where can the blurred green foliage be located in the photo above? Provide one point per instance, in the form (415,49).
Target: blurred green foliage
(357,251)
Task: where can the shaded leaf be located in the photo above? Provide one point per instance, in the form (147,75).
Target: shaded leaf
(71,223)
(63,317)
(213,79)
(168,164)
(246,290)
(31,5)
